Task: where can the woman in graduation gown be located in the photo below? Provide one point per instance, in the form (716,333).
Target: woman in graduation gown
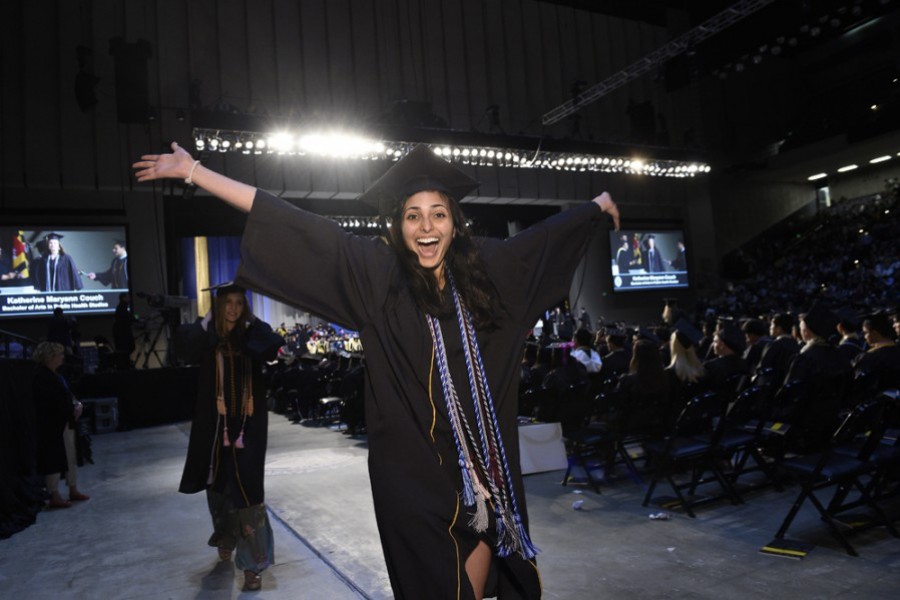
(227,448)
(442,318)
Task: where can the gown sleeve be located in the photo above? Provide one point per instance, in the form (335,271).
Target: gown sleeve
(262,342)
(309,262)
(533,270)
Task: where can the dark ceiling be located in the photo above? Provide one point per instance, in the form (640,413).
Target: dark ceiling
(823,64)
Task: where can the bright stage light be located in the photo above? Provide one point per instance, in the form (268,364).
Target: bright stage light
(344,146)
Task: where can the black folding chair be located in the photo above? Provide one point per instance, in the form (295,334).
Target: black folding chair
(742,437)
(841,469)
(683,449)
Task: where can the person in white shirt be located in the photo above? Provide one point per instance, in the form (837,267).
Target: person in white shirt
(584,353)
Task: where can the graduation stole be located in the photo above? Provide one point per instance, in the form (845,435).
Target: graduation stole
(246,394)
(480,450)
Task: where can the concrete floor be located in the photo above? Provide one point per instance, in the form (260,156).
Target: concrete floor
(138,538)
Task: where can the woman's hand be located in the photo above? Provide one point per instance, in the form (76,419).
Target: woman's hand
(606,204)
(175,165)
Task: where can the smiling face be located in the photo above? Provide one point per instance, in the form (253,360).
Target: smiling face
(428,229)
(53,246)
(234,309)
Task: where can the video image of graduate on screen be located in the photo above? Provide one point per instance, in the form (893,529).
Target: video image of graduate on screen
(648,259)
(81,270)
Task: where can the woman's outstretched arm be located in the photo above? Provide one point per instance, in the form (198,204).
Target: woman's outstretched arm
(179,164)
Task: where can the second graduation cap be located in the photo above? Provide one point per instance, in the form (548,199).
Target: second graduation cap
(419,170)
(221,289)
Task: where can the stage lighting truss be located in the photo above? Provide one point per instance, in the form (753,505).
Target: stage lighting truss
(359,148)
(357,224)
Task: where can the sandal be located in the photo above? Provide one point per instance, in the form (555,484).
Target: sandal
(224,553)
(252,581)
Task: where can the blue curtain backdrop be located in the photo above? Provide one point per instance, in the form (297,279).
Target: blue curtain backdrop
(224,257)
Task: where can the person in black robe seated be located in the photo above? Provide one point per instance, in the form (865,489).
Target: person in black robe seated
(756,336)
(851,344)
(644,392)
(818,360)
(882,360)
(615,362)
(686,371)
(704,347)
(824,372)
(726,372)
(781,351)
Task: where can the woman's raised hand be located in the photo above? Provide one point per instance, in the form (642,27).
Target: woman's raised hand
(176,165)
(606,204)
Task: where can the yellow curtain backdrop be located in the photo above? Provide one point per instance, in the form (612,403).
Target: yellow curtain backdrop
(201,262)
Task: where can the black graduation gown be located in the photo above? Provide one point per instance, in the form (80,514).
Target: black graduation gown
(205,445)
(64,278)
(117,274)
(723,374)
(53,410)
(883,363)
(356,282)
(817,363)
(778,356)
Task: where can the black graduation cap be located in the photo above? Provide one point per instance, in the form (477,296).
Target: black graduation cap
(221,289)
(646,334)
(821,320)
(723,320)
(419,170)
(848,317)
(687,334)
(732,337)
(53,236)
(755,327)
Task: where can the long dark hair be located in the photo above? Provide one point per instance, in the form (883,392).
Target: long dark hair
(462,259)
(646,365)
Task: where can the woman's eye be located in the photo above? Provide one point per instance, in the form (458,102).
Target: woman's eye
(411,216)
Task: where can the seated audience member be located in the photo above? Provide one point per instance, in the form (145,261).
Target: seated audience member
(645,388)
(564,372)
(686,370)
(671,313)
(584,353)
(616,361)
(704,348)
(781,350)
(851,344)
(757,338)
(818,361)
(882,359)
(533,375)
(725,371)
